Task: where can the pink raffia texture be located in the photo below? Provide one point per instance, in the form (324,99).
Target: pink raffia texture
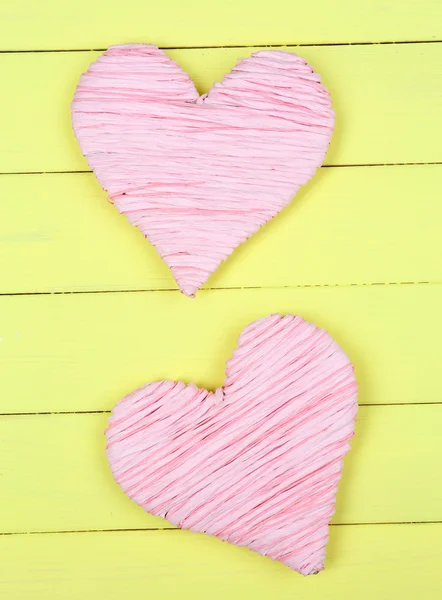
(198,175)
(256,463)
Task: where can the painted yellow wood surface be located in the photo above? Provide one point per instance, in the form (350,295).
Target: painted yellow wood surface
(76,352)
(364,562)
(359,252)
(388,100)
(65,454)
(348,226)
(50,24)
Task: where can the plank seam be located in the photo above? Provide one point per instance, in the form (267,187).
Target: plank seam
(346,166)
(108,412)
(280,45)
(180,531)
(214,289)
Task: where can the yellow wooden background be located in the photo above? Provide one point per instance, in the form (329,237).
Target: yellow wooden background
(88,311)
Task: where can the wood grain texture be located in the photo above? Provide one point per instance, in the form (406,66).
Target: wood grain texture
(364,562)
(59,233)
(388,101)
(79,352)
(59,462)
(51,24)
(82,352)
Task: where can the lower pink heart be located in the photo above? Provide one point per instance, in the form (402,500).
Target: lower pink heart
(256,463)
(200,174)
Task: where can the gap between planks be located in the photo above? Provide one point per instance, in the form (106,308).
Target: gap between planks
(85,172)
(305,45)
(108,412)
(215,289)
(177,529)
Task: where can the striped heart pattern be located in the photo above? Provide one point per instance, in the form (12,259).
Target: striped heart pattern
(198,175)
(255,463)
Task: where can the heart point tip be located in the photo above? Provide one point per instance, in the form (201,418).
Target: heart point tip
(188,290)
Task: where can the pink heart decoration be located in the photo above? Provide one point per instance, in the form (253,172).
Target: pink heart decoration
(256,463)
(200,174)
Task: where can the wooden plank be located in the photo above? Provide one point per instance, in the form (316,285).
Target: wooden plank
(49,24)
(391,474)
(388,101)
(58,233)
(365,562)
(81,352)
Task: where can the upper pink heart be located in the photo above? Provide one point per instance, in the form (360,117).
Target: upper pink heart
(200,174)
(257,463)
